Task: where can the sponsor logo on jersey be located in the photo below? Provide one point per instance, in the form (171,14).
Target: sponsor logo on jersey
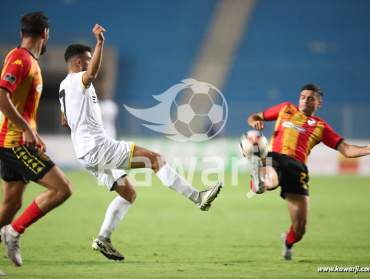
(311,122)
(290,125)
(10,78)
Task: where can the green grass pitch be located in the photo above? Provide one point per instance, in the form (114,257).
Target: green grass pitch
(166,236)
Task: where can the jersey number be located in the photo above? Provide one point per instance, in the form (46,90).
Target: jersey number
(62,96)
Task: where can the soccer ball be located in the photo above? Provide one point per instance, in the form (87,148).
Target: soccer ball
(253,143)
(199,112)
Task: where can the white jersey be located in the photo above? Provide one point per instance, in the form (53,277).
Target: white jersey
(82,112)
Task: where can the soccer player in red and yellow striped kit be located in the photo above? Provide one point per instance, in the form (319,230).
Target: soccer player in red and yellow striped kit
(297,131)
(22,154)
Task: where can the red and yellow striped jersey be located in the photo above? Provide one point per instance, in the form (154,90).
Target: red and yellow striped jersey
(296,134)
(21,77)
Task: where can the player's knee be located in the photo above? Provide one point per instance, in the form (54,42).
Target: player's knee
(68,190)
(65,190)
(125,189)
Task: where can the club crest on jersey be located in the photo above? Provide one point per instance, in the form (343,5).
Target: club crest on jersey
(311,122)
(290,125)
(10,78)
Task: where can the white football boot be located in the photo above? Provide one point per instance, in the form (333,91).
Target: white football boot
(287,253)
(206,197)
(257,184)
(11,242)
(104,246)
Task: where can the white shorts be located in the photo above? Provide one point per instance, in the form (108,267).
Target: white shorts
(108,160)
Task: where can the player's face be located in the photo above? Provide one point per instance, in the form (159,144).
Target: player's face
(309,102)
(85,60)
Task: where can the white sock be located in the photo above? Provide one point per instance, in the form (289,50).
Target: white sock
(173,180)
(116,210)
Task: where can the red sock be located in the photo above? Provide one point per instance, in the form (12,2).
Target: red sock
(290,237)
(28,217)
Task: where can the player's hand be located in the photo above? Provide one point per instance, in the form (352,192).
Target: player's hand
(40,143)
(30,137)
(258,125)
(99,33)
(368,149)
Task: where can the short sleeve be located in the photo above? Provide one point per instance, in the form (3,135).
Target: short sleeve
(272,113)
(330,138)
(61,95)
(61,106)
(16,68)
(77,81)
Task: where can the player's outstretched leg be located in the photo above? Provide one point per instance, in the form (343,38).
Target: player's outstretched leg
(298,209)
(115,212)
(58,190)
(257,183)
(170,178)
(264,175)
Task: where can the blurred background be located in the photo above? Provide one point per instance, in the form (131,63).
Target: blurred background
(257,52)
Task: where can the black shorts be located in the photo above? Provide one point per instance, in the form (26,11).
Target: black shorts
(23,163)
(292,174)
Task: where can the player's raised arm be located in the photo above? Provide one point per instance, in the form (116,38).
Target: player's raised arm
(353,151)
(8,109)
(93,69)
(256,121)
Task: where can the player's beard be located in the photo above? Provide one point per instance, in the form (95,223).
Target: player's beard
(307,110)
(43,49)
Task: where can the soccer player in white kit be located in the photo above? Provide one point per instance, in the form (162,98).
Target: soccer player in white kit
(104,156)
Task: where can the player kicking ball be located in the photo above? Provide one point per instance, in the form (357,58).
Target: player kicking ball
(297,131)
(105,157)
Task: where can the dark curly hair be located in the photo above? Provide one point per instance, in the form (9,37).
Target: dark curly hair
(34,24)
